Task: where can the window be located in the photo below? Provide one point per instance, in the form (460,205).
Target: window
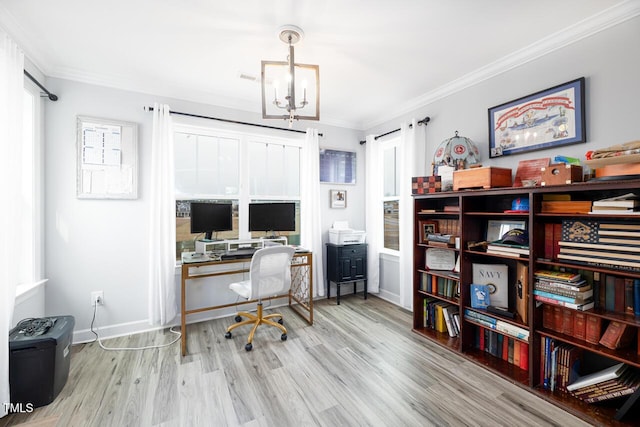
(391,194)
(233,167)
(30,205)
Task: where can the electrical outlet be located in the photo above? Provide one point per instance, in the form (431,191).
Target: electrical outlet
(97,298)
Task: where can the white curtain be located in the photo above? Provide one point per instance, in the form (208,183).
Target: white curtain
(11,99)
(311,227)
(410,134)
(373,212)
(162,221)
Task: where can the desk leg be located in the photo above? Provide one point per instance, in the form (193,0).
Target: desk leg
(183,316)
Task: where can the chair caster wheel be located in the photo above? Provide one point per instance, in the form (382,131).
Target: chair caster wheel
(280,321)
(248,347)
(227,335)
(238,319)
(283,337)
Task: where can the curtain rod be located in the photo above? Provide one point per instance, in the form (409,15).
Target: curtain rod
(231,121)
(51,96)
(420,122)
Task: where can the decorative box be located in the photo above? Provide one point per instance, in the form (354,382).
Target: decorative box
(561,174)
(484,177)
(426,184)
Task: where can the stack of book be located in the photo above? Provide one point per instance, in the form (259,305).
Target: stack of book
(627,204)
(508,249)
(611,245)
(438,239)
(610,383)
(563,289)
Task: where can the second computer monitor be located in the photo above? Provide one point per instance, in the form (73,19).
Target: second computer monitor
(271,217)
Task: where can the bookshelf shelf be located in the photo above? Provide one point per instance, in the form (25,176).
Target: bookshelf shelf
(477,208)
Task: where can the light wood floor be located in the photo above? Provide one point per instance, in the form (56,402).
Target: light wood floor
(358,365)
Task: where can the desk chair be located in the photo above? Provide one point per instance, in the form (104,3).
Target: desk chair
(269,275)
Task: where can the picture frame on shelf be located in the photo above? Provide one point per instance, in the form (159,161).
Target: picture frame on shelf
(498,227)
(338,199)
(426,227)
(550,118)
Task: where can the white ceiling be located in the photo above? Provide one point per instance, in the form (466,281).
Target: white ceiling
(378,58)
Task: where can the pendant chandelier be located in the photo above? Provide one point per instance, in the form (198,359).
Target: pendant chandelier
(282,81)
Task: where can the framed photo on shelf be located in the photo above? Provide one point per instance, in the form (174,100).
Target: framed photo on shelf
(550,118)
(497,228)
(338,199)
(425,228)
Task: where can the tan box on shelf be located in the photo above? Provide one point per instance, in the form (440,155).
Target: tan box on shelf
(561,174)
(484,177)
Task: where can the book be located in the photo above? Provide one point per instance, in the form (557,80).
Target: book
(547,316)
(579,325)
(585,292)
(496,277)
(480,296)
(570,300)
(636,299)
(566,206)
(617,335)
(610,292)
(593,329)
(567,321)
(628,295)
(561,276)
(522,291)
(597,377)
(629,200)
(553,301)
(494,251)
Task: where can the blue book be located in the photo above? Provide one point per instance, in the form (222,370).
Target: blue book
(636,297)
(559,297)
(610,293)
(480,296)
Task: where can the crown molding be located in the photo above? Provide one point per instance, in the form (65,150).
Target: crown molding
(606,19)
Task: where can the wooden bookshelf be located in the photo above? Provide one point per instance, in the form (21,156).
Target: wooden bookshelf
(477,207)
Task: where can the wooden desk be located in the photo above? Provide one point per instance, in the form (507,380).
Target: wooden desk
(300,295)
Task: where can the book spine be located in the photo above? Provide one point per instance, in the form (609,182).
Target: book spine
(553,301)
(628,295)
(557,290)
(610,293)
(636,298)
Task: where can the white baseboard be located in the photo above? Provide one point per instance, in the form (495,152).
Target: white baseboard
(140,326)
(388,296)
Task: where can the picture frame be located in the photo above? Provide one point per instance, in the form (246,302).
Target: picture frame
(337,167)
(426,227)
(497,228)
(338,199)
(106,158)
(550,118)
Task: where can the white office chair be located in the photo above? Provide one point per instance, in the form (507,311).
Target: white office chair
(269,275)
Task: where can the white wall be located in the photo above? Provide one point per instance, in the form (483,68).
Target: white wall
(609,60)
(102,244)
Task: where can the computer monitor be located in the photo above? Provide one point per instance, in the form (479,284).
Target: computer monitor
(272,217)
(211,217)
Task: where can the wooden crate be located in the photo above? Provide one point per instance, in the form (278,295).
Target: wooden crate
(485,177)
(561,174)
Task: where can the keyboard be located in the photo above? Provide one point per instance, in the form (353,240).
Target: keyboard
(239,253)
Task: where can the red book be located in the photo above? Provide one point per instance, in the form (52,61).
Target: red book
(548,241)
(593,329)
(618,302)
(557,236)
(524,356)
(579,325)
(481,333)
(516,352)
(567,321)
(505,348)
(557,318)
(617,335)
(547,316)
